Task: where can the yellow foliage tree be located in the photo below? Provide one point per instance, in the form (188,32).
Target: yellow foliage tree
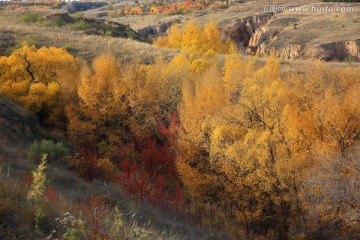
(31,76)
(100,114)
(195,39)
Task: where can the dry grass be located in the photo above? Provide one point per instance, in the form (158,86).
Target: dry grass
(223,17)
(79,44)
(310,28)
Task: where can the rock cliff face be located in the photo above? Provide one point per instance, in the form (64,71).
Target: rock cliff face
(341,51)
(257,35)
(290,52)
(246,32)
(156,29)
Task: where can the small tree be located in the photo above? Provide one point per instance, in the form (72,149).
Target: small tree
(117,229)
(36,192)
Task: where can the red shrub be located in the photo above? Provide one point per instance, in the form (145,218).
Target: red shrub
(144,179)
(85,164)
(50,194)
(96,213)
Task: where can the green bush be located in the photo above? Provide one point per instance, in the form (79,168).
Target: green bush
(32,17)
(108,33)
(56,152)
(81,25)
(57,21)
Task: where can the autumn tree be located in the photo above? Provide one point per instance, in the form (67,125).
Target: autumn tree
(201,98)
(248,153)
(238,155)
(195,39)
(122,114)
(30,76)
(100,113)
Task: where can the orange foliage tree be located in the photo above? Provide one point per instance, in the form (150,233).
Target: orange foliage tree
(249,136)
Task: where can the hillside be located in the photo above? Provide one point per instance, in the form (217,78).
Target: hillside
(13,31)
(293,34)
(179,120)
(18,130)
(302,33)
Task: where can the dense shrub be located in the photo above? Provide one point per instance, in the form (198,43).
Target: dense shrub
(56,152)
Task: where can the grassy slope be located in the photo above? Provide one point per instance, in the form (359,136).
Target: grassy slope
(221,16)
(312,28)
(315,28)
(85,46)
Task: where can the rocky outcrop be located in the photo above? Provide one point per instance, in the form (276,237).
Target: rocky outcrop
(73,7)
(255,38)
(264,38)
(343,50)
(291,52)
(340,51)
(245,32)
(156,29)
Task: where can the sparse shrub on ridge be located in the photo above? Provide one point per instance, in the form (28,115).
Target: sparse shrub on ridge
(32,17)
(57,21)
(80,25)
